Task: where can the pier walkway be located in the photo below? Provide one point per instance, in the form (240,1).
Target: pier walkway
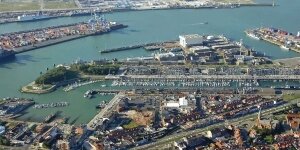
(99,118)
(205,77)
(130,47)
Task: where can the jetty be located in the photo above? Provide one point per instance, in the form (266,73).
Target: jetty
(23,41)
(90,93)
(79,84)
(147,46)
(279,37)
(51,105)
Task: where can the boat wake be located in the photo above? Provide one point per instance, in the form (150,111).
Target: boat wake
(200,23)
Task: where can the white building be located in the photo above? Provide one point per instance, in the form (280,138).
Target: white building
(172,105)
(2,130)
(196,49)
(243,57)
(190,40)
(183,101)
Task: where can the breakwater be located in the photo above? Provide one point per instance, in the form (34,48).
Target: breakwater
(34,39)
(279,37)
(146,46)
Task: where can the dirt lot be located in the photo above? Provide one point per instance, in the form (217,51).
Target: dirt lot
(141,118)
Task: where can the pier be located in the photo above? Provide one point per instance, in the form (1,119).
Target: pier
(284,39)
(146,46)
(24,41)
(105,112)
(79,84)
(91,93)
(204,77)
(51,105)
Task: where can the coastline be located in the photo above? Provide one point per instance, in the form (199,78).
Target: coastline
(112,10)
(28,88)
(64,39)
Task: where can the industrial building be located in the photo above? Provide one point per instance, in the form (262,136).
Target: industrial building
(190,40)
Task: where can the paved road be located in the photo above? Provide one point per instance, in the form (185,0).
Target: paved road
(203,77)
(224,77)
(167,140)
(97,120)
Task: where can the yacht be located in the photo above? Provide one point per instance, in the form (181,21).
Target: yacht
(284,47)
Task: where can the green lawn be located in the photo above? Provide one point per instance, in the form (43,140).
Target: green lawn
(130,125)
(235,1)
(59,5)
(9,6)
(288,97)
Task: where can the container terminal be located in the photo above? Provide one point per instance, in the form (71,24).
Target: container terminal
(86,7)
(282,38)
(10,17)
(23,41)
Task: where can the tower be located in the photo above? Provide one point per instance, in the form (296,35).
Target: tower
(258,118)
(241,46)
(259,113)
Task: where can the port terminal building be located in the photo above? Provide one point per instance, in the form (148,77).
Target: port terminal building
(190,40)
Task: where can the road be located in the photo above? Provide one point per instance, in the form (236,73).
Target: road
(97,120)
(167,140)
(208,77)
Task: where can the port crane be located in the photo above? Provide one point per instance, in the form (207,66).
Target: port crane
(98,21)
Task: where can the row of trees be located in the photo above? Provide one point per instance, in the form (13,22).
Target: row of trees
(98,69)
(4,141)
(56,75)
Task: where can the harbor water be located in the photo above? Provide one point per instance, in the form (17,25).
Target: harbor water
(144,27)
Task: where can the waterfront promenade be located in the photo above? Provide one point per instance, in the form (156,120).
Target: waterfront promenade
(205,77)
(99,118)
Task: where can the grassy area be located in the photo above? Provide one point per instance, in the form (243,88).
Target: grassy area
(235,1)
(59,5)
(10,6)
(288,97)
(42,87)
(130,125)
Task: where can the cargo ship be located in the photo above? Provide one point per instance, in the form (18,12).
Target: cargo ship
(101,105)
(37,17)
(115,26)
(6,55)
(253,35)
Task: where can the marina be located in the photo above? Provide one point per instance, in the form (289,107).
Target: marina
(212,87)
(51,105)
(50,117)
(79,84)
(90,93)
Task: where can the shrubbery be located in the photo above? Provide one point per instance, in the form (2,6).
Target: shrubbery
(97,69)
(56,75)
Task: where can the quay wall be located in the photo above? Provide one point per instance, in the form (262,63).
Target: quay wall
(49,43)
(133,47)
(59,40)
(204,77)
